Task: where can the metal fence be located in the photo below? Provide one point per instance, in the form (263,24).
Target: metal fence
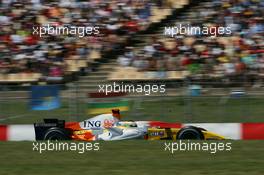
(176,105)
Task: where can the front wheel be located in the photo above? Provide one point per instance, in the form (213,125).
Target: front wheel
(190,133)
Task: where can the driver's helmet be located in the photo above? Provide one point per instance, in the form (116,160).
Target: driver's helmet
(116,113)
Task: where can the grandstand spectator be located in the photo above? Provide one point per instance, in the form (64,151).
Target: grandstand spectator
(117,19)
(236,54)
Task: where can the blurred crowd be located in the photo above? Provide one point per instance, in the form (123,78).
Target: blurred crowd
(21,51)
(240,53)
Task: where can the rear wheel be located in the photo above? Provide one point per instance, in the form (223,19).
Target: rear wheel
(190,133)
(56,134)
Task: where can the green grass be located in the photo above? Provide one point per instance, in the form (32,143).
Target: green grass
(177,109)
(139,157)
(132,157)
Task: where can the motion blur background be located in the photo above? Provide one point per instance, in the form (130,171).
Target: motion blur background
(208,79)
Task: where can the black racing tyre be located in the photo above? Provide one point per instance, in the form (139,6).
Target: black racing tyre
(56,134)
(190,133)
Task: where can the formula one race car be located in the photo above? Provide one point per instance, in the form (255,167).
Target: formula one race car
(110,127)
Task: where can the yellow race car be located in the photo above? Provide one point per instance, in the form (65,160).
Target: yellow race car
(110,127)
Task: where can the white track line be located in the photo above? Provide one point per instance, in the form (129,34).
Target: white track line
(14,117)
